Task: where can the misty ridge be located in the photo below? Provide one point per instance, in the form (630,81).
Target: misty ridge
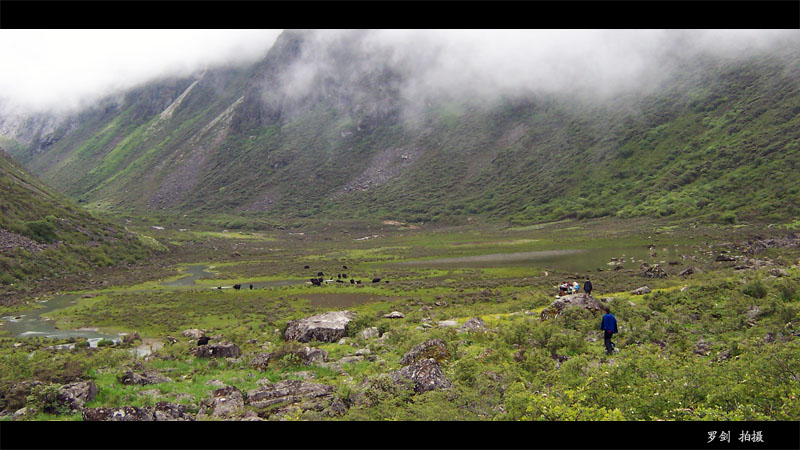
(403,72)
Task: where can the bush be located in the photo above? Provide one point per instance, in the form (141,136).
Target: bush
(755,289)
(42,231)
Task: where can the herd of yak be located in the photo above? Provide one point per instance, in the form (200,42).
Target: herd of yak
(340,278)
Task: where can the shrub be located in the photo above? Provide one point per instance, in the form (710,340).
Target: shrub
(755,289)
(42,231)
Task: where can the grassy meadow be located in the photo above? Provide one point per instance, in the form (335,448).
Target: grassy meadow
(720,344)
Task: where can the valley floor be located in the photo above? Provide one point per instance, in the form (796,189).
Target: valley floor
(719,341)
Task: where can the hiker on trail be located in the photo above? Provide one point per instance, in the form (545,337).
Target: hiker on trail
(609,326)
(576,287)
(587,286)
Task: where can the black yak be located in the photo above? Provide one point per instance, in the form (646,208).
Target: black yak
(237,286)
(352,281)
(376,280)
(320,274)
(202,341)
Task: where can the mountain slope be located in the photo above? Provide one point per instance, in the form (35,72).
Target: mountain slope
(45,238)
(718,140)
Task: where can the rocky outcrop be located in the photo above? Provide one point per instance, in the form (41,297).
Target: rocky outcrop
(432,348)
(225,402)
(394,315)
(132,378)
(77,394)
(221,350)
(309,395)
(426,374)
(580,300)
(328,327)
(10,241)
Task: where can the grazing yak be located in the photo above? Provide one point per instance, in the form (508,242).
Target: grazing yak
(251,286)
(316,281)
(376,280)
(306,267)
(202,341)
(352,281)
(344,267)
(320,274)
(237,286)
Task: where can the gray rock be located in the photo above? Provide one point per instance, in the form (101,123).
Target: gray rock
(641,291)
(447,324)
(580,300)
(328,327)
(370,333)
(432,348)
(778,272)
(394,315)
(289,391)
(225,402)
(193,333)
(75,395)
(261,361)
(426,374)
(473,324)
(216,383)
(312,355)
(654,271)
(690,271)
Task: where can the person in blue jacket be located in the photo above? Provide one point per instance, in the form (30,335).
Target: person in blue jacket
(609,326)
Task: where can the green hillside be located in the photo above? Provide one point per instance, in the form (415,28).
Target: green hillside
(718,141)
(46,239)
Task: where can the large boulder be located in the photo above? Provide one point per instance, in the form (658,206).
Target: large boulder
(220,350)
(432,348)
(327,327)
(261,361)
(121,414)
(426,374)
(580,300)
(75,395)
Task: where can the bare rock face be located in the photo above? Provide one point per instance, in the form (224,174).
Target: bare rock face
(220,350)
(641,291)
(130,377)
(77,394)
(473,324)
(580,300)
(291,391)
(432,348)
(121,414)
(328,327)
(225,402)
(164,411)
(426,374)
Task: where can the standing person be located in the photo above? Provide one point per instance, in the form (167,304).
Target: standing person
(587,286)
(609,326)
